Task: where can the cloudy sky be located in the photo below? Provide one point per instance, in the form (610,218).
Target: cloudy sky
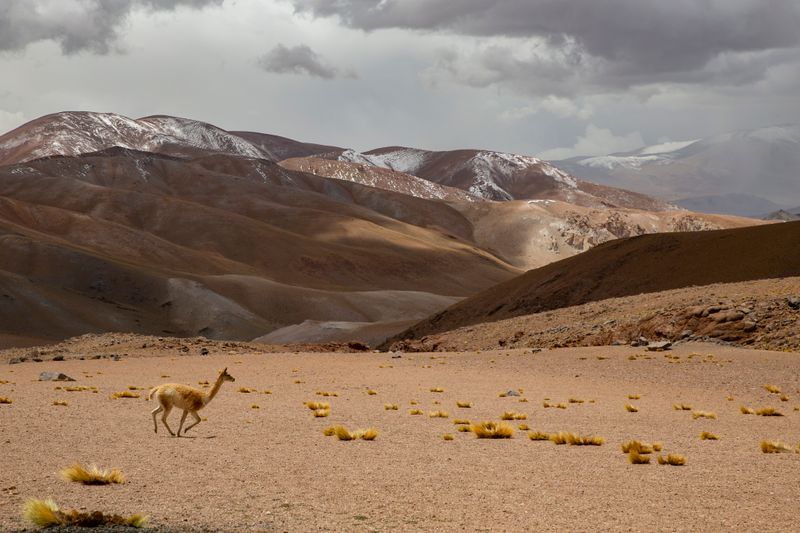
(553,78)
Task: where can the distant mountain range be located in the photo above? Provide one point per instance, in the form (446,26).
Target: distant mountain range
(751,172)
(165,225)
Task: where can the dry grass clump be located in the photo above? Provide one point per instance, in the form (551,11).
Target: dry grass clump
(329,431)
(502,395)
(746,410)
(634,396)
(92,476)
(547,404)
(464,429)
(124,394)
(438,414)
(774,389)
(631,408)
(314,406)
(447,436)
(523,427)
(134,387)
(641,447)
(255,406)
(415,412)
(266,392)
(78,388)
(681,407)
(775,446)
(372,392)
(703,414)
(511,415)
(437,389)
(538,435)
(575,400)
(523,400)
(45,513)
(464,405)
(245,390)
(673,459)
(322,413)
(461,422)
(60,402)
(342,433)
(391,407)
(705,435)
(492,430)
(561,406)
(564,437)
(5,400)
(326,393)
(768,411)
(784,398)
(636,458)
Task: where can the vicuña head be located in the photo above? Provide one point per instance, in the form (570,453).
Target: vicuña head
(184,397)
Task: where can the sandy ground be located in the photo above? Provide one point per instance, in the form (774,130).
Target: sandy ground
(271,469)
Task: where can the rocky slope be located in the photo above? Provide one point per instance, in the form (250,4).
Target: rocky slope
(644,264)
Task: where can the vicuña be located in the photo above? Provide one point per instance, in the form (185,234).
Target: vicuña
(184,397)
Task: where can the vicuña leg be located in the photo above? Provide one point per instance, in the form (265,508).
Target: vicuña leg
(167,409)
(155,422)
(183,419)
(196,421)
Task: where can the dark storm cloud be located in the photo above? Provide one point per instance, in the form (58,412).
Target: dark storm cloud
(76,25)
(615,42)
(298,60)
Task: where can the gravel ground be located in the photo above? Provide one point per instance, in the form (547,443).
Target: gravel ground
(271,468)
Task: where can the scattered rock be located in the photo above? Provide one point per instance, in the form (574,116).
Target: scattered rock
(512,393)
(793,301)
(58,358)
(54,376)
(17,360)
(357,345)
(685,334)
(203,351)
(659,346)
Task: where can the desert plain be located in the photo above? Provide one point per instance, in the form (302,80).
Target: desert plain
(260,461)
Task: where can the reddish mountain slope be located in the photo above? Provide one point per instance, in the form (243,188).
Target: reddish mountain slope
(645,264)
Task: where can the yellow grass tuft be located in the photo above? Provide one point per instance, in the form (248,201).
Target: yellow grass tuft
(391,406)
(561,406)
(634,396)
(705,435)
(703,414)
(635,458)
(463,405)
(493,430)
(372,392)
(437,389)
(502,395)
(577,440)
(413,402)
(326,393)
(631,408)
(4,400)
(538,435)
(61,402)
(769,411)
(366,434)
(415,412)
(746,410)
(255,406)
(461,422)
(639,447)
(329,431)
(774,389)
(447,436)
(124,394)
(657,446)
(316,406)
(784,398)
(438,414)
(511,415)
(523,400)
(673,459)
(464,429)
(77,388)
(45,513)
(546,405)
(134,387)
(266,392)
(93,476)
(245,390)
(523,427)
(681,407)
(575,400)
(729,398)
(775,446)
(322,413)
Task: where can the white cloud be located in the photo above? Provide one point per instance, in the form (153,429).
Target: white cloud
(596,141)
(9,121)
(555,105)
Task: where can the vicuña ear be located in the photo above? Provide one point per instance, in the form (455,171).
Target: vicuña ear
(225,370)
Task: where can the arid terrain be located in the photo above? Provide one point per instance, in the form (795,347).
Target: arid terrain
(271,468)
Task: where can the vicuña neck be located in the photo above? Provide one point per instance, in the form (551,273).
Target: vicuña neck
(215,389)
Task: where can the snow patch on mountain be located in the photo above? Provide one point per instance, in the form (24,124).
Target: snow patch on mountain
(406,160)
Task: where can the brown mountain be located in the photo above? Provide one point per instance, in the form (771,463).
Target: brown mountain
(644,264)
(220,246)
